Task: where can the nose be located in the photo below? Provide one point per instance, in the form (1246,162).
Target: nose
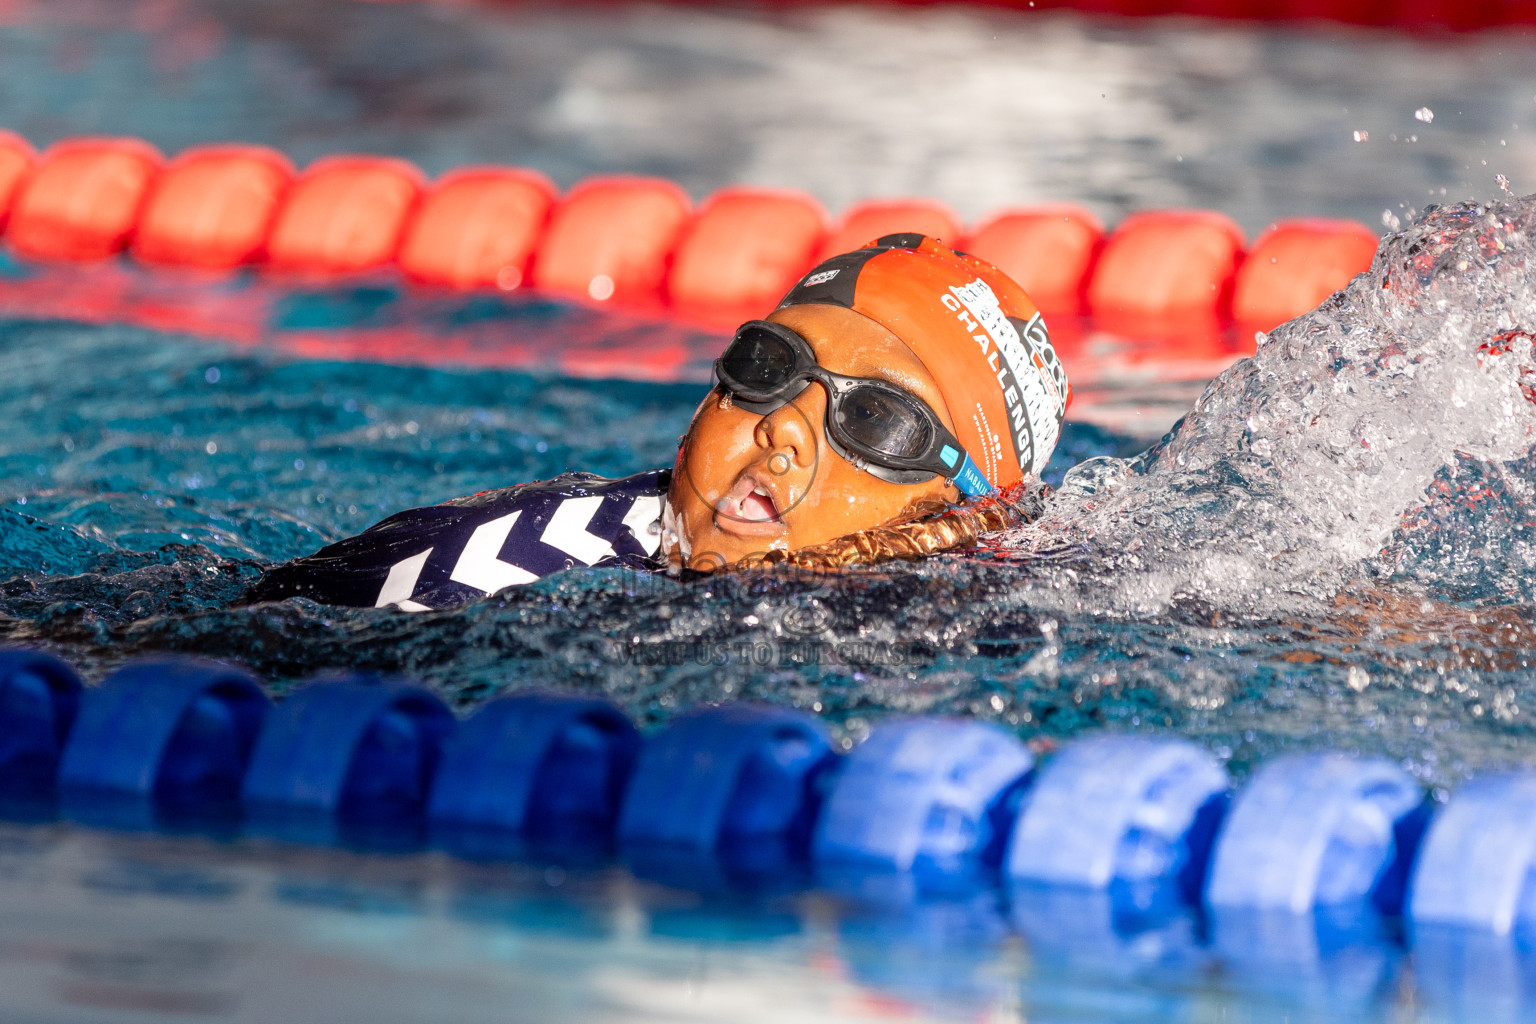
(795,427)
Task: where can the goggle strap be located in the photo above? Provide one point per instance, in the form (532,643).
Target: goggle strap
(970,479)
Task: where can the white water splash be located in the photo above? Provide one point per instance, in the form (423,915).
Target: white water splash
(1297,465)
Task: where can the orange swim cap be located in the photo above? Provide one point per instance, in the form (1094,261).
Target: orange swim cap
(979,335)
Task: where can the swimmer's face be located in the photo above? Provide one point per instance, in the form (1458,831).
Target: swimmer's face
(746,483)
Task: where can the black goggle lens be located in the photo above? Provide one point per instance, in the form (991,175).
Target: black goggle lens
(759,361)
(879,421)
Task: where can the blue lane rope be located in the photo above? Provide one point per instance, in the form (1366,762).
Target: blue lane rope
(1477,868)
(1314,830)
(177,732)
(536,764)
(39,699)
(1126,809)
(1107,820)
(723,775)
(930,794)
(342,752)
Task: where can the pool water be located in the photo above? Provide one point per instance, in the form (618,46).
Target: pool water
(1333,550)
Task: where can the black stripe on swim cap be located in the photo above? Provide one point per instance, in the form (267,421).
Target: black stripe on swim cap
(904,240)
(832,282)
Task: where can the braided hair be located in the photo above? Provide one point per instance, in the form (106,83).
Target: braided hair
(924,528)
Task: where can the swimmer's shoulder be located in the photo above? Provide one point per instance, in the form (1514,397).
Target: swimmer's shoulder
(461,550)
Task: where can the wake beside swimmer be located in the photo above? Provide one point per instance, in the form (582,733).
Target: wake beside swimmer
(899,401)
(1383,440)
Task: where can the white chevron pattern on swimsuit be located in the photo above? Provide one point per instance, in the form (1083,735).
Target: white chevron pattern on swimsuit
(567,530)
(480,564)
(400,584)
(640,517)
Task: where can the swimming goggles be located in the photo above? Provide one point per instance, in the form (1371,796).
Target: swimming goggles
(882,429)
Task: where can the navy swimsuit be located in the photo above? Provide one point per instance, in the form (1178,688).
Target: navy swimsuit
(460,551)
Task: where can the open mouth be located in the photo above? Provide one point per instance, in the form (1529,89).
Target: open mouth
(748,507)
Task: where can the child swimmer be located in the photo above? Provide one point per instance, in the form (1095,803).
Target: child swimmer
(891,406)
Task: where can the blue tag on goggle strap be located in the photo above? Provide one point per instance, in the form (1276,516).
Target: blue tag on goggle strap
(971,481)
(948,456)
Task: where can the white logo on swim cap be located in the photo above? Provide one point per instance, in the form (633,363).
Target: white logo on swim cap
(821,278)
(1030,393)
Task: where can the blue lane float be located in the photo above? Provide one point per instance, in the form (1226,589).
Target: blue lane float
(1112,809)
(918,798)
(1318,830)
(927,793)
(539,765)
(354,747)
(39,699)
(177,733)
(725,774)
(1478,866)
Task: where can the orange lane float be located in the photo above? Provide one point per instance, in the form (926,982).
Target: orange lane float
(344,214)
(1297,264)
(611,239)
(744,249)
(1047,249)
(212,207)
(16,156)
(1167,274)
(1167,262)
(1176,279)
(867,221)
(478,228)
(82,199)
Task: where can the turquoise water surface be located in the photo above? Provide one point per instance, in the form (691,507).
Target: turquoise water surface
(1334,550)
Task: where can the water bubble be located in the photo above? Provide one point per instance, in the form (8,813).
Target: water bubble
(1044,664)
(1424,114)
(1361,135)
